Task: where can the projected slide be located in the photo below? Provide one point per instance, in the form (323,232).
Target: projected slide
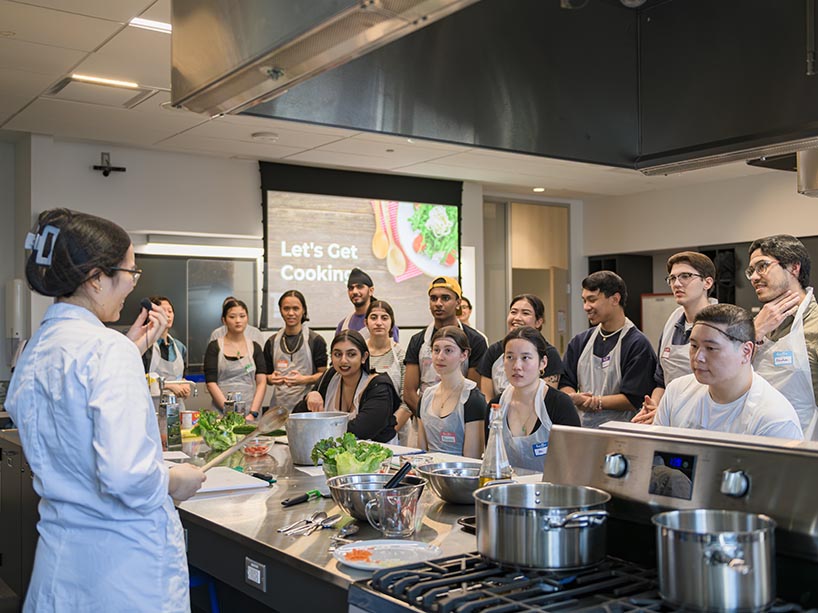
(314,241)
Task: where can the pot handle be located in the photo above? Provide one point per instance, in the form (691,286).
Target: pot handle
(716,556)
(577,519)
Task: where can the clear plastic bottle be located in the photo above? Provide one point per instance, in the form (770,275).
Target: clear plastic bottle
(495,459)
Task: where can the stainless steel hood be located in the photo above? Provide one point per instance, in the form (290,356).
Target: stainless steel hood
(228,55)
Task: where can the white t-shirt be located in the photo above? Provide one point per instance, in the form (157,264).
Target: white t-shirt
(762,411)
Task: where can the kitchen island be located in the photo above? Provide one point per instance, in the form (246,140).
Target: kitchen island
(300,574)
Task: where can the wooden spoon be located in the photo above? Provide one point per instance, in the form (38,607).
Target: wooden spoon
(273,419)
(380,242)
(395,260)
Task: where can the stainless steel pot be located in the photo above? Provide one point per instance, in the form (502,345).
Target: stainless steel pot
(541,525)
(716,560)
(306,429)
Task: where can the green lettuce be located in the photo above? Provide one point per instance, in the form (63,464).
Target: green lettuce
(217,430)
(347,455)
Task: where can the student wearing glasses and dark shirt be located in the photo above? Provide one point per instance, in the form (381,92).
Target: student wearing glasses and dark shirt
(691,277)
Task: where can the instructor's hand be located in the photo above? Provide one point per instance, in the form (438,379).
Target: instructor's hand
(185,480)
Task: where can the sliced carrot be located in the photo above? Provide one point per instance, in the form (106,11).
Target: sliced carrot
(418,245)
(358,555)
(451,258)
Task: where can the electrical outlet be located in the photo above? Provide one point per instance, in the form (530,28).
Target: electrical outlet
(255,574)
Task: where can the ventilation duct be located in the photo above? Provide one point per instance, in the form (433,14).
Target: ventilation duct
(228,55)
(808,173)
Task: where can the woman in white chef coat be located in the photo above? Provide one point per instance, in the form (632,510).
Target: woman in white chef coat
(235,364)
(691,276)
(110,537)
(386,356)
(452,411)
(524,310)
(168,355)
(530,406)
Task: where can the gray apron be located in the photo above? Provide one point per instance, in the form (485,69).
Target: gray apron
(284,362)
(172,371)
(445,434)
(675,359)
(527,451)
(602,377)
(237,375)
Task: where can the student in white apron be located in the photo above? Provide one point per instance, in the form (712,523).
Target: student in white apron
(787,325)
(295,356)
(452,412)
(234,363)
(349,386)
(386,356)
(608,368)
(168,355)
(724,394)
(530,406)
(691,277)
(524,310)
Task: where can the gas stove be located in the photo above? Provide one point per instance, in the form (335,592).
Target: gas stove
(717,471)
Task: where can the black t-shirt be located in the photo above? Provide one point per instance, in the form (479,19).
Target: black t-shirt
(475,408)
(476,342)
(376,409)
(561,411)
(637,357)
(318,347)
(211,361)
(495,350)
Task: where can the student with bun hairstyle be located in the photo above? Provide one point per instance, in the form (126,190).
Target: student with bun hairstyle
(110,537)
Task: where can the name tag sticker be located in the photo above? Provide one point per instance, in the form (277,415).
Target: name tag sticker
(282,364)
(448,437)
(540,449)
(606,361)
(782,358)
(666,353)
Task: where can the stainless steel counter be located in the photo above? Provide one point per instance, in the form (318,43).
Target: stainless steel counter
(248,522)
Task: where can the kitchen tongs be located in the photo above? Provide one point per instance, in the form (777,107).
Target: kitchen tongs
(273,419)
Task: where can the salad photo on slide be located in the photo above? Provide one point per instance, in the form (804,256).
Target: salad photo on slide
(429,236)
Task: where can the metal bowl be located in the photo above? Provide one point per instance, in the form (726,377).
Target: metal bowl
(352,492)
(452,481)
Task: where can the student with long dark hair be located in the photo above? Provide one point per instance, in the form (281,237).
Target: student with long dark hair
(349,386)
(295,355)
(110,537)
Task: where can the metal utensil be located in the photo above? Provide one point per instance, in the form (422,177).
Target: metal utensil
(300,523)
(274,418)
(312,525)
(326,523)
(348,530)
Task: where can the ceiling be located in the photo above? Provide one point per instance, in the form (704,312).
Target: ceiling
(44,41)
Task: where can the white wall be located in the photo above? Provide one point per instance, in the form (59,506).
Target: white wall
(6,244)
(719,212)
(472,236)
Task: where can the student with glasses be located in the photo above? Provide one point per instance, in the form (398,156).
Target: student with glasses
(110,537)
(691,277)
(787,325)
(724,394)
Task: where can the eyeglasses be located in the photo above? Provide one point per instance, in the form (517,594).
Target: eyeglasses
(135,272)
(760,267)
(684,277)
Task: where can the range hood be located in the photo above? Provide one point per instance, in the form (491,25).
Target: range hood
(229,55)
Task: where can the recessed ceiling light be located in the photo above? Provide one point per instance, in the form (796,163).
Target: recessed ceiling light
(410,141)
(7,33)
(538,189)
(103,81)
(267,137)
(149,24)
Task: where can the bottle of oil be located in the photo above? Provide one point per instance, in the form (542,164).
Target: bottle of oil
(495,460)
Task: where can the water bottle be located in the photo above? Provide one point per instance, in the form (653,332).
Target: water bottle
(495,464)
(229,403)
(238,397)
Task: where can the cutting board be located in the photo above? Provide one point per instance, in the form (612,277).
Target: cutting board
(223,479)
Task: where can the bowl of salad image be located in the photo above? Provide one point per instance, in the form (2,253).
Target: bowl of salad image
(428,235)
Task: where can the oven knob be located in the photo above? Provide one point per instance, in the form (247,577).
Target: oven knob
(735,483)
(615,465)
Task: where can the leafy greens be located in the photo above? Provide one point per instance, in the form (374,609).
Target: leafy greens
(218,431)
(437,225)
(347,455)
